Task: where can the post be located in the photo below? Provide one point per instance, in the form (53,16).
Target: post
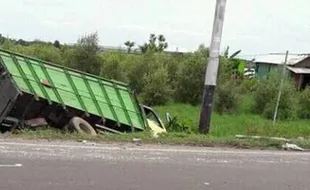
(212,67)
(280,90)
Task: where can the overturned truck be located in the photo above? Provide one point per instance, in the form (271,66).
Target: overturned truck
(34,92)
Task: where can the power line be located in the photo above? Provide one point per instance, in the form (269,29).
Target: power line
(252,55)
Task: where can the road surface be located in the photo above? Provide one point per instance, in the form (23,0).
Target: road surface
(38,165)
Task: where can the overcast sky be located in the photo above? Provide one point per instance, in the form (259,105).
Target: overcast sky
(254,26)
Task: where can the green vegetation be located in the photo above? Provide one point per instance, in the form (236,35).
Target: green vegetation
(225,127)
(173,82)
(183,130)
(304,102)
(266,95)
(229,125)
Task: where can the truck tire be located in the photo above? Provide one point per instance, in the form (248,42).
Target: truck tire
(82,126)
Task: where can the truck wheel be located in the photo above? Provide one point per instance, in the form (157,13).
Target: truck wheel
(82,126)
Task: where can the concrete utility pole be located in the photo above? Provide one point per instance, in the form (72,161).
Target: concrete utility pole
(280,90)
(212,67)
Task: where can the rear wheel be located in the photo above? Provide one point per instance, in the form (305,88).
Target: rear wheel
(82,126)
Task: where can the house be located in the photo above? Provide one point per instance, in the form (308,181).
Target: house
(300,72)
(298,67)
(266,63)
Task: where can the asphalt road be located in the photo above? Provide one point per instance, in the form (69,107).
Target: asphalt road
(38,165)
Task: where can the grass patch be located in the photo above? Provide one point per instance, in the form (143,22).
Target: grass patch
(223,126)
(146,138)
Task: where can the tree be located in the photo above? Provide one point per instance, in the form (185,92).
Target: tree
(43,51)
(155,44)
(56,44)
(162,44)
(230,66)
(129,46)
(85,55)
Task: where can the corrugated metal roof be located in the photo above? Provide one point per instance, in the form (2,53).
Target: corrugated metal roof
(296,59)
(299,70)
(279,59)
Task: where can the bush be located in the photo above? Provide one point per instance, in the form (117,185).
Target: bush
(248,85)
(156,90)
(190,82)
(177,125)
(304,102)
(227,98)
(115,66)
(144,64)
(173,66)
(150,79)
(266,94)
(45,52)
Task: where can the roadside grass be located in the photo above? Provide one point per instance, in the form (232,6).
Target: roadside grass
(223,126)
(146,138)
(222,132)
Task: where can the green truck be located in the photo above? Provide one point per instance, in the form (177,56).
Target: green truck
(34,92)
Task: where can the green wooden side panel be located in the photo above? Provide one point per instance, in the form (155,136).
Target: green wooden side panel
(89,93)
(263,70)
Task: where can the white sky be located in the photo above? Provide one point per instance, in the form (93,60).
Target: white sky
(254,26)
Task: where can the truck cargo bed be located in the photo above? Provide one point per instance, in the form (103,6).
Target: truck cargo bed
(59,93)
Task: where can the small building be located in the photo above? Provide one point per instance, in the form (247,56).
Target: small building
(266,63)
(300,71)
(298,67)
